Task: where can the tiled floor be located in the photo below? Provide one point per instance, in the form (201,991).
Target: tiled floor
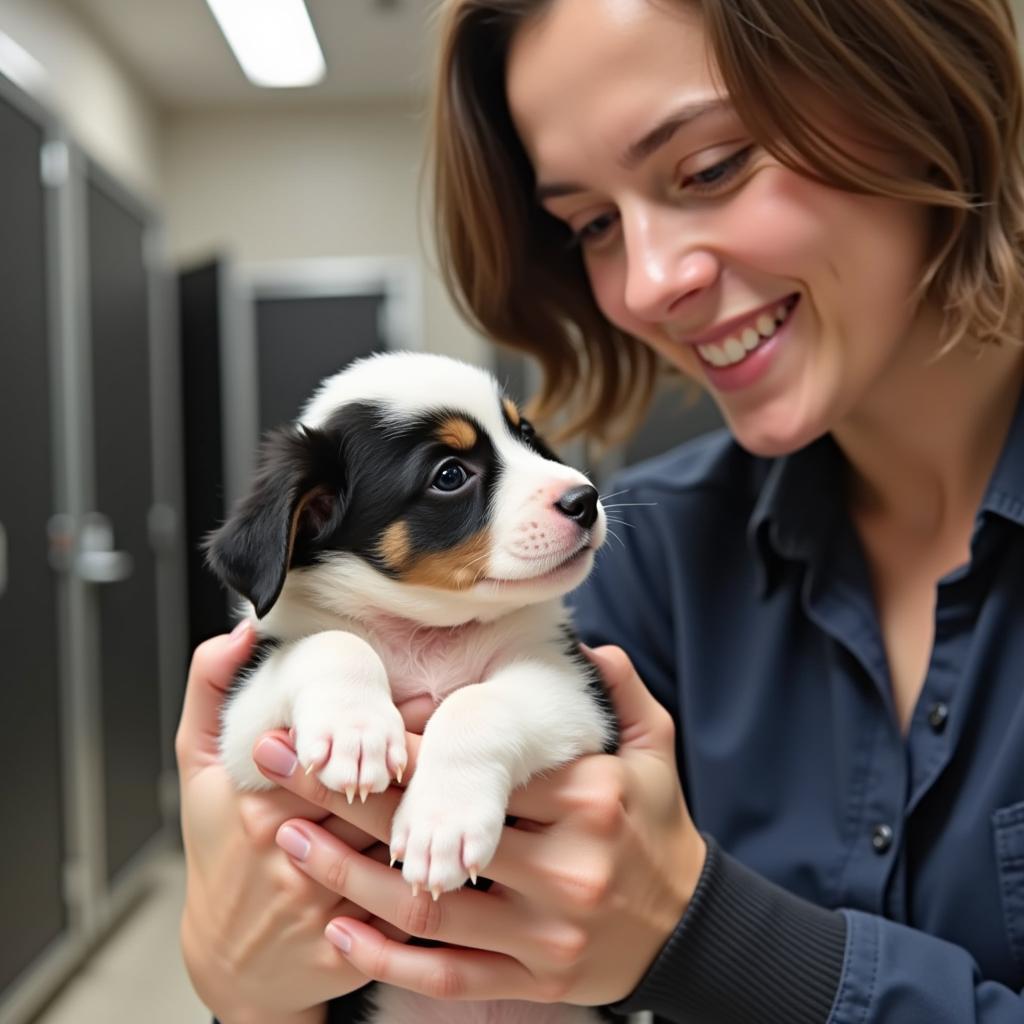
(137,975)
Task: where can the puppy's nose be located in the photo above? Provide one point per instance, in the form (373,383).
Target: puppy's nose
(580,505)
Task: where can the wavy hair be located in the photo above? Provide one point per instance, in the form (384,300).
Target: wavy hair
(938,80)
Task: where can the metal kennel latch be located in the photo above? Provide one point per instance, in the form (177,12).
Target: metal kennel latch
(96,561)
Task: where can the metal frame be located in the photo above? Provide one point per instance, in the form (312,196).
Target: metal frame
(92,906)
(401,327)
(167,493)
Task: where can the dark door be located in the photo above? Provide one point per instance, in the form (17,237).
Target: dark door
(200,301)
(129,679)
(31,800)
(301,340)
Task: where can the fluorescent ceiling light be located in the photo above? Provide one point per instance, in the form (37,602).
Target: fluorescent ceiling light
(22,68)
(273,40)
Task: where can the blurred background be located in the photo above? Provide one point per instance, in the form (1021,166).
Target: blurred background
(192,234)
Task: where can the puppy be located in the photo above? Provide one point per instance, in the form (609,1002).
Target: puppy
(412,535)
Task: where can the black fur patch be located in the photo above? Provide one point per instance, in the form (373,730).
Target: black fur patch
(262,648)
(338,488)
(595,685)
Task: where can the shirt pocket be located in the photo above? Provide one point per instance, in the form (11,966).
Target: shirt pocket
(1008,827)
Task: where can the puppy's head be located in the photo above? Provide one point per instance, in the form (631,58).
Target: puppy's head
(410,486)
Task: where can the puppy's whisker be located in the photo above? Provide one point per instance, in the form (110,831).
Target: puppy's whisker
(630,504)
(612,533)
(613,494)
(621,522)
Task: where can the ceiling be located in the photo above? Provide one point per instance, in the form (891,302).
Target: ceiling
(375,50)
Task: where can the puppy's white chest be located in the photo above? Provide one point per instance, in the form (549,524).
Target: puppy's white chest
(434,660)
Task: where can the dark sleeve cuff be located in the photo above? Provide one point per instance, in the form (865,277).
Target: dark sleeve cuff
(745,949)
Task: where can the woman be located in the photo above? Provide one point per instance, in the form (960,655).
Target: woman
(815,211)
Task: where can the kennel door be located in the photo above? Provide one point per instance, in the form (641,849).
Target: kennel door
(123,442)
(300,340)
(32,854)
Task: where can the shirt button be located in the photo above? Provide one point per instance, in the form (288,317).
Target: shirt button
(938,715)
(881,838)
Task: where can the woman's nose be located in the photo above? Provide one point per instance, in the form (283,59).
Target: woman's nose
(663,267)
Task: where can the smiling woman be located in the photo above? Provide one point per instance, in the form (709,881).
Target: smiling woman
(718,93)
(816,212)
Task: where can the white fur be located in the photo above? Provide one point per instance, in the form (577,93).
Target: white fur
(511,701)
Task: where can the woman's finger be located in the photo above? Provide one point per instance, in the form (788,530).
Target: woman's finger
(643,722)
(416,712)
(214,666)
(454,918)
(435,972)
(525,856)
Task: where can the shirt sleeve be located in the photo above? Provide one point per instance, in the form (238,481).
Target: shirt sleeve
(748,950)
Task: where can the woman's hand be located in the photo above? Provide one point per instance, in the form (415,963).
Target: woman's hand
(590,883)
(252,927)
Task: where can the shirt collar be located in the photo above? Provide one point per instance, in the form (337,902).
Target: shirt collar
(799,505)
(801,499)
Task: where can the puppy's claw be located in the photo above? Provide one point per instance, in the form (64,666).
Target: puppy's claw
(350,793)
(415,890)
(391,863)
(435,893)
(472,874)
(310,768)
(398,774)
(363,793)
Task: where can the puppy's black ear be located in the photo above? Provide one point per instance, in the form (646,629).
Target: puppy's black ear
(297,501)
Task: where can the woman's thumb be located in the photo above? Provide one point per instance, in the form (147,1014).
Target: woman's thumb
(643,722)
(215,664)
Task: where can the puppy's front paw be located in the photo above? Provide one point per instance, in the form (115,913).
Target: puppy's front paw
(357,741)
(447,828)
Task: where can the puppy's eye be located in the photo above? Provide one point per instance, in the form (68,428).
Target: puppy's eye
(526,431)
(450,477)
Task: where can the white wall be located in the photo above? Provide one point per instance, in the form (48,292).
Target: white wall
(106,111)
(333,182)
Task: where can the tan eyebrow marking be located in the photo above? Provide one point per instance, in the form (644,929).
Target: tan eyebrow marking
(457,433)
(395,544)
(511,411)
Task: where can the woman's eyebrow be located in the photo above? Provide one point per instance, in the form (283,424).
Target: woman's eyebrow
(666,128)
(646,145)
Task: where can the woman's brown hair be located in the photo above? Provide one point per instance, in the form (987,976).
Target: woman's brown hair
(938,80)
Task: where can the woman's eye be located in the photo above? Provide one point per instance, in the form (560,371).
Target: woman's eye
(719,174)
(594,230)
(450,477)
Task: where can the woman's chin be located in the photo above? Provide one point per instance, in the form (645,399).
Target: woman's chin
(771,440)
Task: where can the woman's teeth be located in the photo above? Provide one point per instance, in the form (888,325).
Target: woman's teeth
(735,349)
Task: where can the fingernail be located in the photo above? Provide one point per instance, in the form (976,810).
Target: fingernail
(337,936)
(277,758)
(240,630)
(293,842)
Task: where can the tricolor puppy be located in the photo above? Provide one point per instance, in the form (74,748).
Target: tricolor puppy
(412,535)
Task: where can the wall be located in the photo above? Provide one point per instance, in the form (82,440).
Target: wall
(106,111)
(282,184)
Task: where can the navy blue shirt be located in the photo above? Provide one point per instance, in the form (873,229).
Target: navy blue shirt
(744,599)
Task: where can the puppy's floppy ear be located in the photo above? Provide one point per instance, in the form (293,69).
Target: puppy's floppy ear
(297,500)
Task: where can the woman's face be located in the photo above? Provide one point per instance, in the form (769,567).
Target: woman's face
(788,300)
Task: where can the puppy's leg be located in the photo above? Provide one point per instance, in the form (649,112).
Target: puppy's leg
(332,689)
(481,743)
